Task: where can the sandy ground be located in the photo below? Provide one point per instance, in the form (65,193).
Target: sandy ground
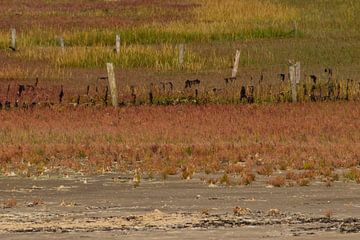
(110,207)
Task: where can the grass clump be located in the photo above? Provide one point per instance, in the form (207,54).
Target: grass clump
(353,174)
(277,181)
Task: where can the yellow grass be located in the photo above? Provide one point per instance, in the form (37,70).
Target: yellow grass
(159,58)
(233,15)
(242,11)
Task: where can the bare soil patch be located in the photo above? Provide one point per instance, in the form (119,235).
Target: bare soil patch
(77,207)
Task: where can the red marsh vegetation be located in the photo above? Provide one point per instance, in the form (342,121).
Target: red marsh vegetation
(304,140)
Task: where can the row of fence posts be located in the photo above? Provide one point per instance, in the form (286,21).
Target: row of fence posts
(294,68)
(294,74)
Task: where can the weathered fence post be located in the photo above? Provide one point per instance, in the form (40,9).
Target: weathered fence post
(236,64)
(151,95)
(112,84)
(181,54)
(62,44)
(13,39)
(295,29)
(292,74)
(117,44)
(297,72)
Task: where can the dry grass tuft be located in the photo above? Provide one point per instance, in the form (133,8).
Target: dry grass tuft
(247,178)
(328,213)
(353,174)
(266,169)
(239,211)
(225,179)
(277,181)
(10,203)
(303,182)
(274,212)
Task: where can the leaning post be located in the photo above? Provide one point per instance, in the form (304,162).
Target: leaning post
(117,44)
(62,44)
(13,39)
(297,72)
(181,54)
(236,64)
(295,29)
(112,84)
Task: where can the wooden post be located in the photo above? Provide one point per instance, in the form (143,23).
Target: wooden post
(292,74)
(181,54)
(236,64)
(117,44)
(297,72)
(13,39)
(62,44)
(112,84)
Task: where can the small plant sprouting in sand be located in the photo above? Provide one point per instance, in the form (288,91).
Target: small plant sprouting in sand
(266,169)
(170,170)
(328,213)
(329,177)
(187,172)
(236,168)
(35,202)
(335,177)
(277,181)
(302,178)
(239,211)
(9,203)
(212,181)
(205,212)
(328,182)
(67,204)
(208,171)
(274,212)
(308,166)
(150,175)
(247,178)
(303,182)
(291,175)
(225,179)
(137,178)
(164,175)
(326,171)
(283,165)
(353,174)
(212,168)
(189,150)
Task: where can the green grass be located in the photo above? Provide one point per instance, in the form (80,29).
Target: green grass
(139,35)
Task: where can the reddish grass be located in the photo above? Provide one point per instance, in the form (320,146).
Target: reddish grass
(311,138)
(73,14)
(266,169)
(9,203)
(328,213)
(247,178)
